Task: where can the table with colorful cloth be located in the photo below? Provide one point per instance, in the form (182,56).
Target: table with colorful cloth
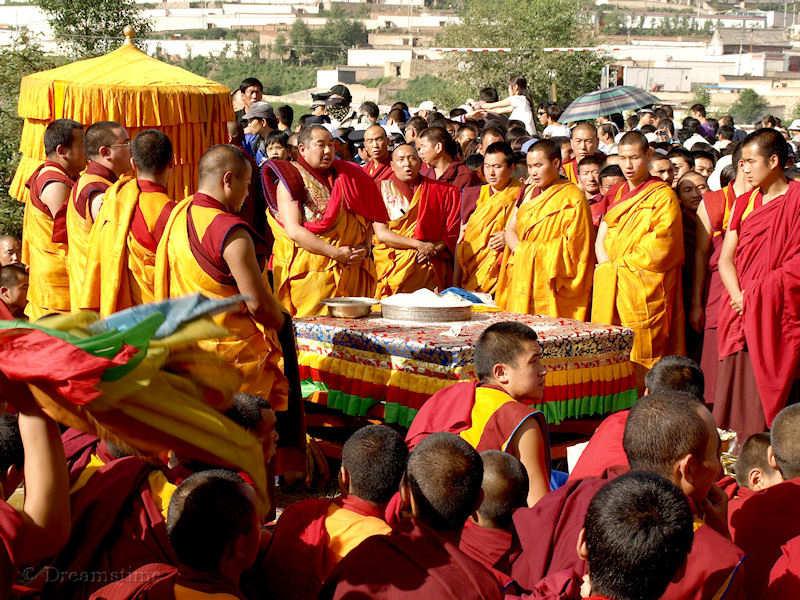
(377,368)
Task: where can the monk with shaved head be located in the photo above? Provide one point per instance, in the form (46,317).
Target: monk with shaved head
(208,248)
(10,250)
(639,249)
(584,142)
(376,144)
(415,249)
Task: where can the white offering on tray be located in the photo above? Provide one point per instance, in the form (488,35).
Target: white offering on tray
(426,305)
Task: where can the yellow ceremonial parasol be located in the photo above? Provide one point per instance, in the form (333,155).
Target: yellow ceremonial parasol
(135,90)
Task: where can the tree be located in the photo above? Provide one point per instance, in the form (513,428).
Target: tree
(748,107)
(701,96)
(328,45)
(526,29)
(93,27)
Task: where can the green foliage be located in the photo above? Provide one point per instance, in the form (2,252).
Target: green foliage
(443,92)
(93,27)
(526,28)
(328,45)
(701,96)
(16,61)
(376,81)
(748,107)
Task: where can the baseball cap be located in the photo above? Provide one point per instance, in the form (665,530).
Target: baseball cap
(336,92)
(260,110)
(794,125)
(426,105)
(646,111)
(527,145)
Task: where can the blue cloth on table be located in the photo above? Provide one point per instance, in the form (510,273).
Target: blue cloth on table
(461,293)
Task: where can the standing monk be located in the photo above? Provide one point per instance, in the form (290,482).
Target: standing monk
(208,248)
(639,247)
(376,143)
(415,249)
(107,147)
(439,150)
(44,246)
(321,212)
(480,251)
(548,264)
(759,322)
(122,257)
(583,141)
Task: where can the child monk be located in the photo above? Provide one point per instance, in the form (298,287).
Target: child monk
(753,469)
(312,536)
(495,412)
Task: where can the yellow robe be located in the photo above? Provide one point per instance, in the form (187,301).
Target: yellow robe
(302,279)
(397,270)
(251,348)
(571,171)
(119,268)
(479,264)
(640,286)
(78,233)
(550,271)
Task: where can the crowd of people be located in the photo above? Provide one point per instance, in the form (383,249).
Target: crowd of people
(688,236)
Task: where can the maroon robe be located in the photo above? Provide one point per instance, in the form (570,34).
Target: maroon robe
(760,523)
(378,170)
(784,578)
(768,267)
(457,174)
(604,449)
(495,549)
(5,312)
(548,533)
(156,581)
(412,562)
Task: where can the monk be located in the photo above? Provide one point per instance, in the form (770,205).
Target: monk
(784,578)
(41,528)
(489,535)
(671,435)
(480,249)
(495,413)
(108,151)
(438,150)
(759,265)
(661,168)
(13,291)
(10,250)
(214,529)
(421,558)
(121,262)
(583,141)
(321,212)
(763,521)
(415,249)
(376,143)
(44,245)
(604,451)
(713,215)
(312,536)
(206,247)
(639,248)
(589,170)
(636,537)
(548,262)
(753,469)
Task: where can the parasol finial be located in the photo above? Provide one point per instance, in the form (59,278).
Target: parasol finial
(129,33)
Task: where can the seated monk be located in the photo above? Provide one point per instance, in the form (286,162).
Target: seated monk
(214,529)
(604,450)
(121,262)
(495,413)
(421,558)
(414,250)
(376,144)
(480,248)
(13,291)
(761,522)
(109,156)
(753,469)
(312,536)
(548,261)
(671,435)
(639,250)
(10,250)
(321,212)
(757,326)
(44,245)
(488,535)
(41,528)
(208,248)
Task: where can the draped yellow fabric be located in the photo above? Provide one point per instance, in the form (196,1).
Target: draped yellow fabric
(255,351)
(397,269)
(571,171)
(302,279)
(119,270)
(479,264)
(640,286)
(550,271)
(78,231)
(135,90)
